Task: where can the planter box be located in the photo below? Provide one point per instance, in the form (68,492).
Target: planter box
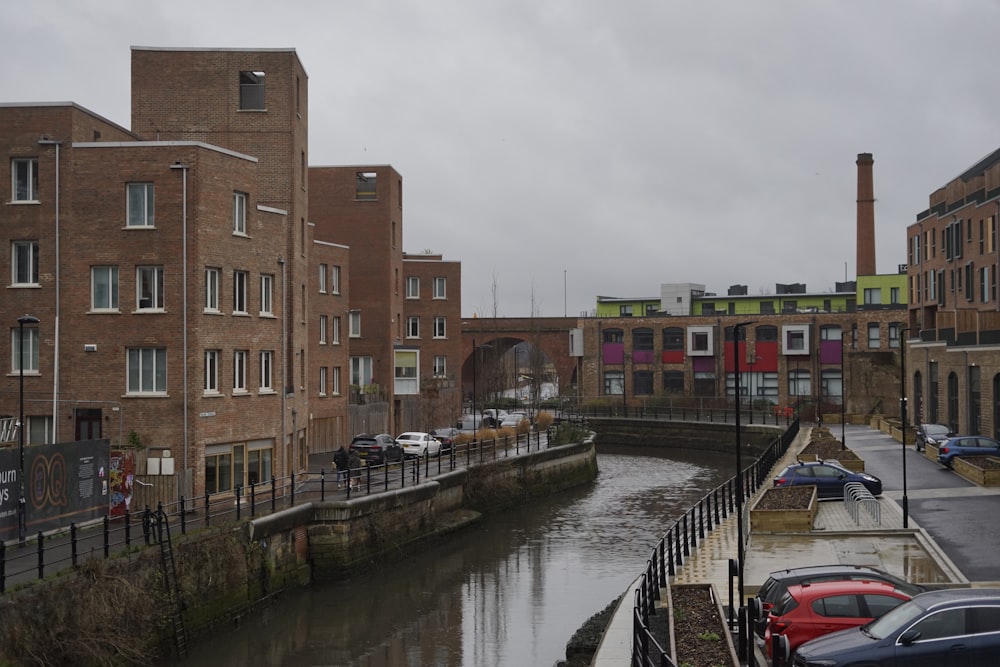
(783,520)
(981,470)
(931,452)
(710,634)
(853,464)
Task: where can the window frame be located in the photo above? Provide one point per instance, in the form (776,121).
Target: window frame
(157,373)
(354,324)
(112,276)
(157,283)
(31,350)
(211,372)
(266,295)
(440,287)
(17,257)
(322,329)
(240,200)
(266,375)
(440,326)
(322,278)
(413,287)
(440,366)
(335,330)
(31,180)
(334,279)
(148,218)
(213,278)
(240,298)
(413,326)
(241,359)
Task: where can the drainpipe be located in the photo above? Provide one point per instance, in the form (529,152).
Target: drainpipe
(284,360)
(184,313)
(45,141)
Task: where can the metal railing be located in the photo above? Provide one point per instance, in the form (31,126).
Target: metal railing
(726,415)
(683,537)
(858,497)
(45,553)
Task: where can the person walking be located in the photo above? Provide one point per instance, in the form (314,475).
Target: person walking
(340,462)
(354,465)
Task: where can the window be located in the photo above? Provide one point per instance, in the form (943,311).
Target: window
(894,295)
(218,469)
(24,263)
(240,292)
(413,327)
(140,205)
(354,324)
(240,213)
(29,353)
(147,370)
(838,606)
(642,383)
(322,380)
(874,339)
(361,371)
(440,330)
(266,371)
(799,383)
(24,179)
(829,332)
(149,287)
(266,294)
(642,339)
(211,371)
(673,382)
(240,358)
(365,186)
(766,333)
(873,296)
(795,340)
(334,279)
(440,288)
(708,309)
(614,383)
(413,287)
(335,330)
(699,341)
(625,310)
(39,429)
(406,364)
(322,278)
(894,330)
(252,91)
(440,366)
(335,378)
(767,308)
(673,338)
(212,290)
(322,329)
(104,288)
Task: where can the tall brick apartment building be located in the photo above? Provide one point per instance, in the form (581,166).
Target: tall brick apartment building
(186,300)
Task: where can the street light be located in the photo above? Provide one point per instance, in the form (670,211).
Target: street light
(475,353)
(739,463)
(843,398)
(902,418)
(22,523)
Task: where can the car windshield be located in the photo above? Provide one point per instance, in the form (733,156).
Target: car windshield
(894,620)
(935,429)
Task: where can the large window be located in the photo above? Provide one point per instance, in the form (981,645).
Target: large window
(322,278)
(24,179)
(873,296)
(440,288)
(413,287)
(799,383)
(673,338)
(239,213)
(335,330)
(266,371)
(673,382)
(614,383)
(334,279)
(440,330)
(240,292)
(24,263)
(406,364)
(252,91)
(147,370)
(322,380)
(240,359)
(149,287)
(218,469)
(874,338)
(322,329)
(361,371)
(211,371)
(365,186)
(140,205)
(104,288)
(642,383)
(266,294)
(212,290)
(29,352)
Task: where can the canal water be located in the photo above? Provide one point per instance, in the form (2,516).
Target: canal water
(508,592)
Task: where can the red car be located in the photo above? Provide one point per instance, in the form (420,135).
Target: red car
(811,610)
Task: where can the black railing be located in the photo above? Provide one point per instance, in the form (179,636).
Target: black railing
(45,553)
(682,538)
(779,416)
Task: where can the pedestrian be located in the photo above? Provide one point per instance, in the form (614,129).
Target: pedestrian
(354,464)
(340,461)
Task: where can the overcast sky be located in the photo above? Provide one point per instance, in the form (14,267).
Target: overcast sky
(566,149)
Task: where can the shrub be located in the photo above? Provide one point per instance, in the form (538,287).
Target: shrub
(543,420)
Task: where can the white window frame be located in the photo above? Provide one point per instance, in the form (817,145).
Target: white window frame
(875,342)
(354,324)
(440,288)
(266,295)
(334,279)
(24,262)
(110,277)
(266,371)
(213,278)
(30,350)
(30,187)
(794,332)
(151,363)
(155,274)
(361,371)
(322,380)
(413,326)
(145,194)
(440,366)
(412,287)
(240,213)
(240,360)
(322,278)
(240,280)
(335,330)
(335,379)
(440,326)
(322,329)
(211,385)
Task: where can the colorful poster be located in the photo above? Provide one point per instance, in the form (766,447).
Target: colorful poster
(122,478)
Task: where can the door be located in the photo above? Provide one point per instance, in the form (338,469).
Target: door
(88,424)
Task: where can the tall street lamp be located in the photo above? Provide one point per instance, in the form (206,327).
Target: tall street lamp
(843,397)
(22,524)
(902,419)
(475,415)
(739,462)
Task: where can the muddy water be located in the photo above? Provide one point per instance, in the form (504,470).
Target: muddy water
(509,592)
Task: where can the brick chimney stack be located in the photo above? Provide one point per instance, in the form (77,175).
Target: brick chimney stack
(866,217)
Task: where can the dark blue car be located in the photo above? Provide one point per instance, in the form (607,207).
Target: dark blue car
(828,477)
(958,626)
(967,445)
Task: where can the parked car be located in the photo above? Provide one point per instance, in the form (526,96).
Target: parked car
(417,443)
(513,419)
(778,582)
(377,449)
(956,626)
(966,445)
(807,611)
(493,417)
(471,424)
(934,434)
(828,477)
(446,436)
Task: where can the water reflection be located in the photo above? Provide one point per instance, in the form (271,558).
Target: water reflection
(510,591)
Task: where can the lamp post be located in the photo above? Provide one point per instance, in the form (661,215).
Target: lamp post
(475,351)
(22,524)
(902,419)
(843,398)
(739,463)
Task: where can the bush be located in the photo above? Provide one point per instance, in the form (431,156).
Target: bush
(543,420)
(568,432)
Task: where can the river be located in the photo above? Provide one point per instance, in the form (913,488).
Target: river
(508,592)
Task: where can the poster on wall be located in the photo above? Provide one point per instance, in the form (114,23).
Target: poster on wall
(122,475)
(63,484)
